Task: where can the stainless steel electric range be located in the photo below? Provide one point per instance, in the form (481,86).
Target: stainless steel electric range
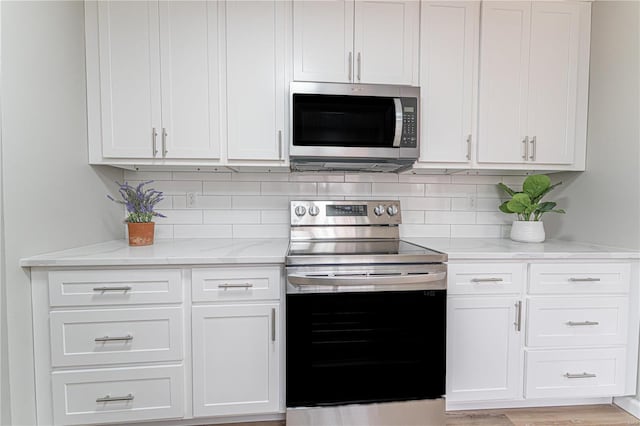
(365,312)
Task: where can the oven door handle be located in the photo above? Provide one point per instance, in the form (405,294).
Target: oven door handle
(399,122)
(355,280)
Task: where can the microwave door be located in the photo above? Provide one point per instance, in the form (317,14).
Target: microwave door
(397,137)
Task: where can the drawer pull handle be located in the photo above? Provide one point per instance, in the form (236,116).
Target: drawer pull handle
(588,279)
(486,280)
(109,398)
(103,289)
(578,323)
(114,339)
(579,376)
(518,322)
(226,286)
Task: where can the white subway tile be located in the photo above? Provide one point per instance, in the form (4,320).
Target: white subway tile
(423,203)
(202,176)
(398,189)
(440,217)
(488,204)
(411,178)
(275,216)
(412,216)
(212,202)
(179,201)
(324,198)
(370,177)
(180,217)
(166,203)
(163,231)
(260,231)
(144,176)
(231,216)
(173,187)
(476,231)
(265,202)
(231,188)
(475,179)
(514,182)
(494,218)
(413,231)
(449,190)
(288,188)
(260,177)
(316,177)
(202,231)
(490,191)
(463,204)
(346,189)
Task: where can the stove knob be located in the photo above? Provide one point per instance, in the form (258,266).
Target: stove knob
(314,210)
(379,210)
(300,211)
(392,210)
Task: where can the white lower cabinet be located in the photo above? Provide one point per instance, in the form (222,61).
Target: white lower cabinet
(235,359)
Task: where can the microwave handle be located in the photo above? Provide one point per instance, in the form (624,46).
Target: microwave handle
(398,135)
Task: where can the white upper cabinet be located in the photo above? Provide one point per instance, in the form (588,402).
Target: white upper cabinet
(129,85)
(323,40)
(533,83)
(255,73)
(367,41)
(448,62)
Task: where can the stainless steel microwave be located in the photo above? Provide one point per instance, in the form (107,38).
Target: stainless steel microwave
(361,127)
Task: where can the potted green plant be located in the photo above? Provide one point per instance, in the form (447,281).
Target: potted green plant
(140,203)
(529,208)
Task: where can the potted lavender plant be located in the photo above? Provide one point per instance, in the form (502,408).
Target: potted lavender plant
(139,203)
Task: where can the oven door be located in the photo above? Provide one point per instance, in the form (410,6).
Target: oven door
(366,345)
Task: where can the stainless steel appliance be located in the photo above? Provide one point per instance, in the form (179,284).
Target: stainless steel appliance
(361,127)
(366,314)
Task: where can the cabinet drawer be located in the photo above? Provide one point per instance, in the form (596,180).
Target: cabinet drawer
(486,278)
(113,336)
(118,395)
(565,321)
(114,287)
(575,373)
(575,278)
(223,284)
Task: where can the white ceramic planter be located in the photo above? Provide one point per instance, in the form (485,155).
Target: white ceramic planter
(527,231)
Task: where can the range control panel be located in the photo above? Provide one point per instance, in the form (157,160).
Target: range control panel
(320,213)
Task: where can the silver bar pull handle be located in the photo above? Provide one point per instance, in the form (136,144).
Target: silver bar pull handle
(109,398)
(154,140)
(359,67)
(486,280)
(579,323)
(532,157)
(273,324)
(586,279)
(164,142)
(583,375)
(126,338)
(350,70)
(525,141)
(469,147)
(518,322)
(226,286)
(103,289)
(279,144)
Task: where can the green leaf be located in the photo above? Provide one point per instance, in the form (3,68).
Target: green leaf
(519,203)
(504,209)
(536,185)
(548,190)
(506,189)
(547,206)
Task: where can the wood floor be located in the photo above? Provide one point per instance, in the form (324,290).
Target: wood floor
(593,415)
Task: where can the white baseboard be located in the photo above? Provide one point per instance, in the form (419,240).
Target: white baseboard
(523,403)
(629,404)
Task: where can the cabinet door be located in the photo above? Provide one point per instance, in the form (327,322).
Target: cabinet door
(323,41)
(504,74)
(235,359)
(553,81)
(256,92)
(483,349)
(386,41)
(129,77)
(448,59)
(190,83)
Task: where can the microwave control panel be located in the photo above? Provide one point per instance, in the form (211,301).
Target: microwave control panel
(409,123)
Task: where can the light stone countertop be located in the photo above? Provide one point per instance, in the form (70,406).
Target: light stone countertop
(205,251)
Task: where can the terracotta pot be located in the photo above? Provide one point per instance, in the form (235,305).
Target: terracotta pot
(140,234)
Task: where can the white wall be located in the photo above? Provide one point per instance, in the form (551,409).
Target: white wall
(603,203)
(52,198)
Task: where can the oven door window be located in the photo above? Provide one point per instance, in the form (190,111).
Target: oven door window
(343,121)
(365,347)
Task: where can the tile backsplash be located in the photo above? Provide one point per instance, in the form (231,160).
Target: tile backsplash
(256,205)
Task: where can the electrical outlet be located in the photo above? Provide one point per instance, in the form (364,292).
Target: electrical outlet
(472,202)
(191,199)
